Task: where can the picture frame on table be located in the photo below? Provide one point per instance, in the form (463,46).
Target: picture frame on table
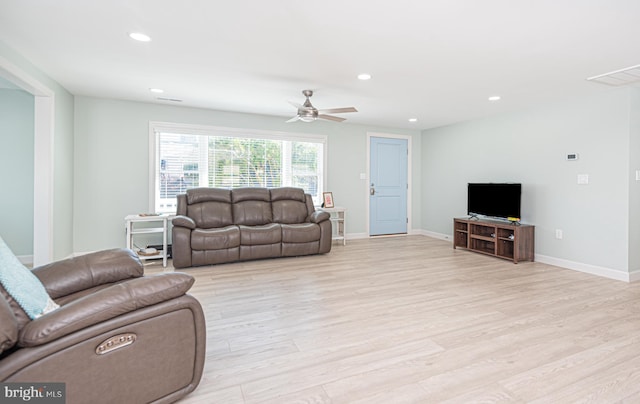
(327,198)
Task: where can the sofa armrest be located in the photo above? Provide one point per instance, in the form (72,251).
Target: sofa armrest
(184,221)
(8,326)
(319,216)
(62,278)
(103,305)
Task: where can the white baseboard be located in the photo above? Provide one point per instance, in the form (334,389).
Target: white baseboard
(26,260)
(559,262)
(433,234)
(587,268)
(354,236)
(634,275)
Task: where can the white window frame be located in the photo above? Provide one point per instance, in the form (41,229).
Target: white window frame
(204,130)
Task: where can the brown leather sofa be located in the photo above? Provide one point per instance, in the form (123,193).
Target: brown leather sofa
(216,225)
(118,336)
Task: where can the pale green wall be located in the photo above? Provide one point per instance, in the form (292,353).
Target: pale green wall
(530,147)
(112,162)
(63,176)
(16,170)
(634,186)
(62,153)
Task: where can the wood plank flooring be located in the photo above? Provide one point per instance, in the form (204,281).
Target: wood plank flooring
(411,320)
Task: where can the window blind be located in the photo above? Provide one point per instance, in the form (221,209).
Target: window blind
(186,160)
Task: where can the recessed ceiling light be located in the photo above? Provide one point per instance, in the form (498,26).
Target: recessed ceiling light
(156,90)
(138,36)
(413,119)
(364,76)
(494,98)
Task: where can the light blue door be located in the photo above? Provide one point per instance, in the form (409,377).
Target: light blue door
(388,186)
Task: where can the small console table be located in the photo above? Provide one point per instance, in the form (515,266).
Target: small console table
(162,225)
(503,240)
(338,219)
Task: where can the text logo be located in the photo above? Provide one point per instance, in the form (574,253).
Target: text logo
(33,393)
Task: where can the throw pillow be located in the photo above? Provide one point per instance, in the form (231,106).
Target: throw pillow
(22,285)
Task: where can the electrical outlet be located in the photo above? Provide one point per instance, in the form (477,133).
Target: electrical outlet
(559,234)
(583,179)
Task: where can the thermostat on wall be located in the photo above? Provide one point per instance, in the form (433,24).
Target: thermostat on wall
(572,156)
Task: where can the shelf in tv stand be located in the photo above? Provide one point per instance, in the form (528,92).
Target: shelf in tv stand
(473,236)
(514,242)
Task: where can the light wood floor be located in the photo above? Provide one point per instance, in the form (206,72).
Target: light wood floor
(410,320)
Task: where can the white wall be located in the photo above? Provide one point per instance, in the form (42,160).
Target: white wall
(530,147)
(16,170)
(112,151)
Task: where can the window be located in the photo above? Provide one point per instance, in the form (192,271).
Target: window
(189,156)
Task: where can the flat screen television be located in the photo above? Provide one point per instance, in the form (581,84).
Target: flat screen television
(494,200)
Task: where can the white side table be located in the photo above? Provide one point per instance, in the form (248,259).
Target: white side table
(338,222)
(132,231)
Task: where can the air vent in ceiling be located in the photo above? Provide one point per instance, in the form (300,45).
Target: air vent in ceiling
(622,77)
(168,99)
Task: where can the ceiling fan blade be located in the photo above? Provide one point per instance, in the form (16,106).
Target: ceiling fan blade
(299,106)
(295,118)
(338,110)
(331,118)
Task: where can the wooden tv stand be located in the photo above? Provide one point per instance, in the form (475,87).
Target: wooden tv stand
(499,239)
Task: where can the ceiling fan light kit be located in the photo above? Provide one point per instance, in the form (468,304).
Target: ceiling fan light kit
(308,113)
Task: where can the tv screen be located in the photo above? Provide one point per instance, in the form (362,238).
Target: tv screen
(494,200)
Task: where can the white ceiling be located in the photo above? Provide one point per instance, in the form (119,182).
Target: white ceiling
(435,60)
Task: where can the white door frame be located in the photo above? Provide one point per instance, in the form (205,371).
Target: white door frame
(44,108)
(409,175)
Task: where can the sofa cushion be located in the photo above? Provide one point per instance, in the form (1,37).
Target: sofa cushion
(215,239)
(209,207)
(300,233)
(289,205)
(198,195)
(259,235)
(251,206)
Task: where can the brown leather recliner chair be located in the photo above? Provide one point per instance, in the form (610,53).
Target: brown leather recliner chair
(118,336)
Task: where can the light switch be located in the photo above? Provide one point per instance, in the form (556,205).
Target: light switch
(583,179)
(363,176)
(637,175)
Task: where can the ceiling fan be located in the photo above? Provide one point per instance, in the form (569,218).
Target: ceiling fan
(309,113)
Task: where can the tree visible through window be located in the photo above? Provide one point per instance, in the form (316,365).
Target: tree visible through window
(186,161)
